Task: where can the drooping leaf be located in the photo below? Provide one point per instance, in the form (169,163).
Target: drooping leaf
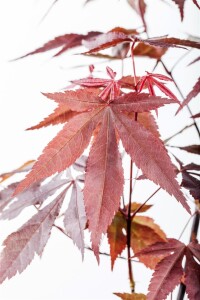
(64,149)
(194,92)
(35,195)
(75,218)
(191,183)
(149,155)
(64,42)
(6,195)
(104,179)
(20,247)
(134,296)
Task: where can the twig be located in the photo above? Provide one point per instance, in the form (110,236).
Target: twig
(129,223)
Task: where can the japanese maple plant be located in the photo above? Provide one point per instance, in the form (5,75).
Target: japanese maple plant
(105,120)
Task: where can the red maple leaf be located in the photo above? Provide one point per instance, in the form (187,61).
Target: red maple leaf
(151,80)
(104,174)
(169,270)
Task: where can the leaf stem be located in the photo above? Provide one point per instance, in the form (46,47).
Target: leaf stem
(133,61)
(129,222)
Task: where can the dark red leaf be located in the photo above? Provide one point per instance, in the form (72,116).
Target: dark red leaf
(195,249)
(172,42)
(194,92)
(195,149)
(192,184)
(65,42)
(196,116)
(192,277)
(167,275)
(103,182)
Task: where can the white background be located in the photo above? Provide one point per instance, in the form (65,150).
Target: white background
(60,274)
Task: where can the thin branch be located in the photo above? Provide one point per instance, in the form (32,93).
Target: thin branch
(180,92)
(177,133)
(129,223)
(139,208)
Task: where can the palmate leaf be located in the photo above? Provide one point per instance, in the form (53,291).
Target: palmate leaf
(20,247)
(104,175)
(169,271)
(36,194)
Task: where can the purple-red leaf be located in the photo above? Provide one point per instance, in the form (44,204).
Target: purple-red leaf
(64,42)
(194,92)
(103,182)
(192,277)
(149,155)
(20,247)
(167,275)
(75,218)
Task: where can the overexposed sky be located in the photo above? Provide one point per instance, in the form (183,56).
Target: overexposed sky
(61,274)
